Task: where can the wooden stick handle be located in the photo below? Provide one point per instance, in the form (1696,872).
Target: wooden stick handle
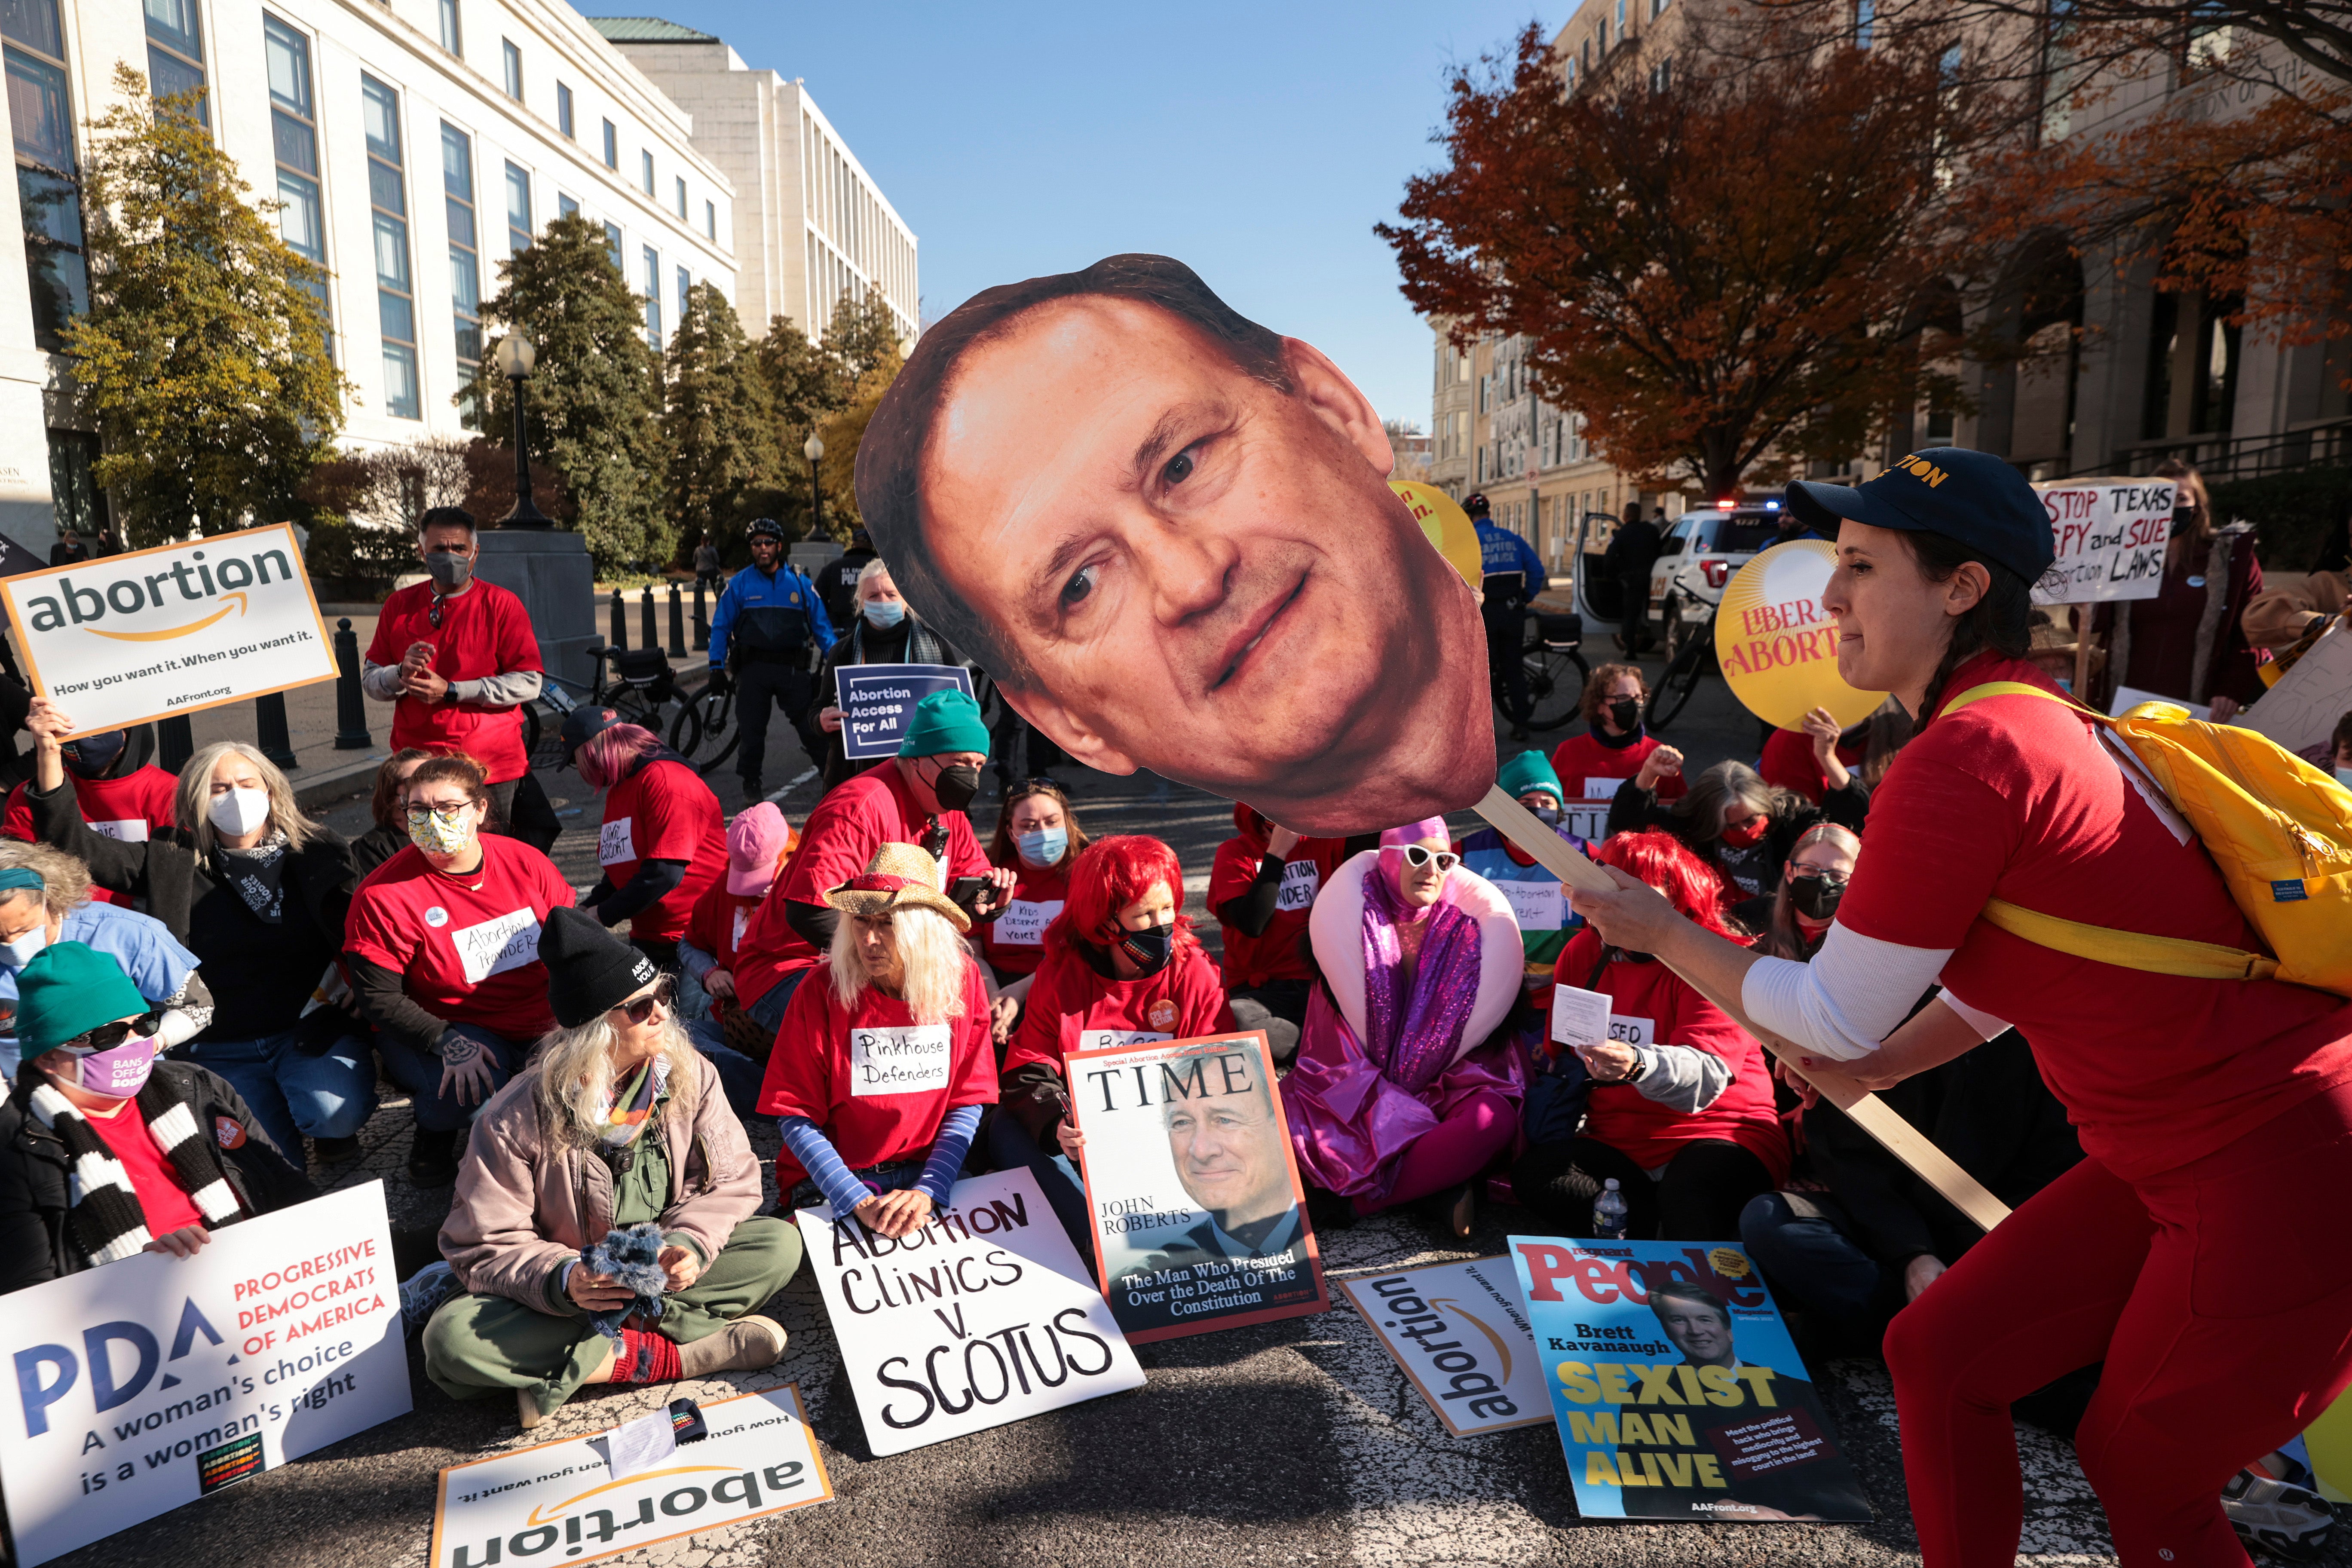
(1869,1113)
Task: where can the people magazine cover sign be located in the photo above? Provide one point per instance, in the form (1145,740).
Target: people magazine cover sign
(1200,1222)
(1678,1391)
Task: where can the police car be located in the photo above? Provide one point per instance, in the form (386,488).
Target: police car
(1702,548)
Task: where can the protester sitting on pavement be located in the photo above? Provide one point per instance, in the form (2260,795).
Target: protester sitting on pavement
(389,836)
(758,842)
(1740,827)
(457,659)
(916,797)
(765,638)
(107,1151)
(442,944)
(1121,966)
(1681,1113)
(120,792)
(1038,840)
(1793,920)
(664,838)
(1537,898)
(617,1122)
(1261,886)
(885,629)
(1615,745)
(45,898)
(899,979)
(1408,1080)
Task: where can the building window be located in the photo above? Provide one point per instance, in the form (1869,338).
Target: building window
(681,198)
(395,292)
(465,255)
(566,206)
(294,133)
(175,52)
(48,189)
(564,113)
(710,220)
(517,210)
(653,297)
(74,494)
(647,169)
(1662,75)
(612,244)
(1865,13)
(685,281)
(453,33)
(612,145)
(514,58)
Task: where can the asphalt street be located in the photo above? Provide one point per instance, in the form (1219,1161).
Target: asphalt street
(1296,1441)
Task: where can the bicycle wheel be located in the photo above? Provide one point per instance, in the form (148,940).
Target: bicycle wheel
(1681,677)
(1556,678)
(685,729)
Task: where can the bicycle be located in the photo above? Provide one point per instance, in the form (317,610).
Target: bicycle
(641,693)
(1555,671)
(704,715)
(1692,659)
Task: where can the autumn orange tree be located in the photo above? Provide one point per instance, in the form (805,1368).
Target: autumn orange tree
(1722,267)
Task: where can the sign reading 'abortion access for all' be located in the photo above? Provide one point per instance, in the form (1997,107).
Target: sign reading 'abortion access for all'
(127,638)
(877,701)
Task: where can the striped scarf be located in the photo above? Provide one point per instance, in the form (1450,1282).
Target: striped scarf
(633,1105)
(103,1213)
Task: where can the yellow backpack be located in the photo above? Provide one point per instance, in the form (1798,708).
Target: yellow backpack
(2280,830)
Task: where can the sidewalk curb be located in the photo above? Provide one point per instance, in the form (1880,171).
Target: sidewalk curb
(312,791)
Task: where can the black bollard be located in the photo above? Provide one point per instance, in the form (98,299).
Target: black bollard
(701,620)
(175,742)
(677,623)
(620,622)
(351,702)
(270,731)
(646,617)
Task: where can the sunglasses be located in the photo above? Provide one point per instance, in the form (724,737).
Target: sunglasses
(105,1038)
(640,1009)
(433,615)
(1417,856)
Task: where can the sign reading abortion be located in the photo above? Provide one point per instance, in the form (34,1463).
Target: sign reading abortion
(1460,1332)
(876,700)
(159,1379)
(126,638)
(1200,1222)
(759,1459)
(2110,535)
(1678,1391)
(982,1316)
(1777,645)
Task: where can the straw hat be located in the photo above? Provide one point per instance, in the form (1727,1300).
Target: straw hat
(900,876)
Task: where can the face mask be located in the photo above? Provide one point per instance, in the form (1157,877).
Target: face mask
(1043,848)
(2182,522)
(450,571)
(885,613)
(437,834)
(90,756)
(1815,897)
(1625,711)
(1548,816)
(21,950)
(1149,948)
(119,1072)
(955,787)
(2344,777)
(240,811)
(1745,835)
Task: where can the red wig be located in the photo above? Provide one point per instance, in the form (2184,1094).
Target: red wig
(1110,874)
(1660,860)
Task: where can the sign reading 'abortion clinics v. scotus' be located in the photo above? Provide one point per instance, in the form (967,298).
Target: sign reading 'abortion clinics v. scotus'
(127,638)
(158,1380)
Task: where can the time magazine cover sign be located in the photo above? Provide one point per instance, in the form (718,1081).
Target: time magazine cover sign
(1678,1393)
(1200,1222)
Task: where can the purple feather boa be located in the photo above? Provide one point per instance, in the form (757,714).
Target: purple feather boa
(1412,1037)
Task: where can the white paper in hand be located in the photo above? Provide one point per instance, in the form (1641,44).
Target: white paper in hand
(640,1445)
(1578,1018)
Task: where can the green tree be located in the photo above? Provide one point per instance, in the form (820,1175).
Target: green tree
(593,408)
(721,426)
(204,356)
(814,384)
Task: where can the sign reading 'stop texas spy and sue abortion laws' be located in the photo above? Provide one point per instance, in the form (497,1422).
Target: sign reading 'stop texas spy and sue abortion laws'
(127,638)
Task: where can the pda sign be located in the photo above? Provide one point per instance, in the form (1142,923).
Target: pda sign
(877,701)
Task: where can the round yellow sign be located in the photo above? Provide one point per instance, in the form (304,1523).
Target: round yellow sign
(1730,1264)
(1777,645)
(1448,526)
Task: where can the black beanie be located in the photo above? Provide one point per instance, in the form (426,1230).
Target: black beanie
(589,970)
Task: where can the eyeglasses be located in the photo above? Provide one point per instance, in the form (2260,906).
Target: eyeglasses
(1417,856)
(418,814)
(105,1038)
(1815,874)
(639,1009)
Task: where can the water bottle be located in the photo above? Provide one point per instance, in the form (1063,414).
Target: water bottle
(1609,1214)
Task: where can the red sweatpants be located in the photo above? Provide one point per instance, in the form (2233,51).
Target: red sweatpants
(2220,1295)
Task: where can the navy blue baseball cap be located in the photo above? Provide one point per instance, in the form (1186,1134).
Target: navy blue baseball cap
(1972,497)
(582,725)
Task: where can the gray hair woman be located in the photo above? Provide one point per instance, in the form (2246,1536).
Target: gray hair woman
(619,1121)
(1736,823)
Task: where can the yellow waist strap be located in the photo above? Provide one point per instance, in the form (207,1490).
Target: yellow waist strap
(2130,948)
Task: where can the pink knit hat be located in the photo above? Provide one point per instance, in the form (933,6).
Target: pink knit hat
(757,841)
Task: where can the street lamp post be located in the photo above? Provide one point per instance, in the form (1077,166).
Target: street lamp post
(814,450)
(514,356)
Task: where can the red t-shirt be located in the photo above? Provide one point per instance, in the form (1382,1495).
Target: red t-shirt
(1070,1007)
(128,808)
(663,812)
(1788,764)
(857,818)
(484,631)
(1272,953)
(1015,942)
(2014,798)
(875,1081)
(1582,757)
(717,927)
(467,946)
(161,1197)
(1659,1009)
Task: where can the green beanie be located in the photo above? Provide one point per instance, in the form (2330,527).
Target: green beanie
(68,989)
(1525,771)
(945,722)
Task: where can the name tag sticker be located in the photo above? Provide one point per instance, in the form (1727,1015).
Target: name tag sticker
(1538,906)
(133,830)
(497,945)
(1023,921)
(1578,1018)
(911,1059)
(615,842)
(1111,1039)
(742,919)
(1625,1031)
(1300,881)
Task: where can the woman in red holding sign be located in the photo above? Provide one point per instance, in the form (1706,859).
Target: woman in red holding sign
(1122,966)
(2218,1313)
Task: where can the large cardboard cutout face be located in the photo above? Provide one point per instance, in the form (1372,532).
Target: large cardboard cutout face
(1167,534)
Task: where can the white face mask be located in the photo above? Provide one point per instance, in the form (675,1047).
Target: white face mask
(24,949)
(2344,777)
(238,812)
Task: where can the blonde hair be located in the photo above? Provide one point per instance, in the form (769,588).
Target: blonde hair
(575,1075)
(65,879)
(193,801)
(930,953)
(878,567)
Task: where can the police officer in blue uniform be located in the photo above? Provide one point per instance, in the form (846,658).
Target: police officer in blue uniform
(1514,575)
(767,634)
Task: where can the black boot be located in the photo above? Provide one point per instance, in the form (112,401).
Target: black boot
(334,1151)
(433,1159)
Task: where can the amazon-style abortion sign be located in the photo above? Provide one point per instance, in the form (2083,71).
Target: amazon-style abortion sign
(126,638)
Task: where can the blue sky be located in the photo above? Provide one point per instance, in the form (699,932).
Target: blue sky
(1257,143)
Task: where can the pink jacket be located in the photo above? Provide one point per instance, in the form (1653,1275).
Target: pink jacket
(526,1205)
